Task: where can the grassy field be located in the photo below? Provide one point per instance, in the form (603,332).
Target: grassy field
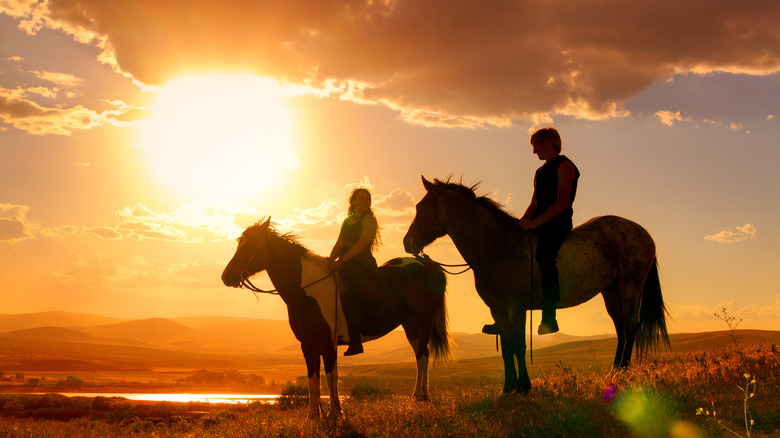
(731,392)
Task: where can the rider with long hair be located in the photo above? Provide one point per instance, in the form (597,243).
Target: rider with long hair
(352,254)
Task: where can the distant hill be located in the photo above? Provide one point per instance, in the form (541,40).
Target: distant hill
(21,321)
(80,341)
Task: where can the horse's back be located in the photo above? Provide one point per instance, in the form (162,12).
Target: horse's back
(417,271)
(616,236)
(598,252)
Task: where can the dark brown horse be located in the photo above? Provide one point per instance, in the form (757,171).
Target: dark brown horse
(410,294)
(608,255)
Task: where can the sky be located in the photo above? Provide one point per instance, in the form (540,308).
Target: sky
(139,138)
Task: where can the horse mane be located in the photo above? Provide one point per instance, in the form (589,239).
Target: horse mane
(493,207)
(290,238)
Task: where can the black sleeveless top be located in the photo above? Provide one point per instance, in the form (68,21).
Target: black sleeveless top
(350,235)
(546,189)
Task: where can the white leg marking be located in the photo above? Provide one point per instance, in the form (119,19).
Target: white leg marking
(314,396)
(421,385)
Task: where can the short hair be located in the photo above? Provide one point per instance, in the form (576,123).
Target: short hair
(548,133)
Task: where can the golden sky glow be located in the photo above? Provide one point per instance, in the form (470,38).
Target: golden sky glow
(138,138)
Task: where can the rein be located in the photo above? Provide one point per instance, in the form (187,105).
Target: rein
(423,256)
(248,284)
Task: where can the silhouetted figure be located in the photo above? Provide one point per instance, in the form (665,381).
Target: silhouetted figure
(359,235)
(549,215)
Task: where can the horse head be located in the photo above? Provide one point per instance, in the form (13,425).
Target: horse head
(249,258)
(425,227)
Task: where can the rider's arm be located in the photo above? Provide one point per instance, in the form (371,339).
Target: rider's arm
(366,237)
(566,175)
(334,253)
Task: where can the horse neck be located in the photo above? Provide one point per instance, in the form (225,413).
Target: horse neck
(472,228)
(284,267)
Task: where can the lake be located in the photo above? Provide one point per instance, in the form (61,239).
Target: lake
(181,398)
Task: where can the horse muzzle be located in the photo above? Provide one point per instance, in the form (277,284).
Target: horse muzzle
(230,279)
(409,245)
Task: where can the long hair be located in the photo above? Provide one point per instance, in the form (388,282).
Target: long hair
(377,242)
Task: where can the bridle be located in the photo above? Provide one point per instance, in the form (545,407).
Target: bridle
(422,256)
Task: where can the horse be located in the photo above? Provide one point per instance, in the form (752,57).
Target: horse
(609,255)
(410,294)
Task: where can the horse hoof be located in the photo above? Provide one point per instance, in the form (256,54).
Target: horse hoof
(421,398)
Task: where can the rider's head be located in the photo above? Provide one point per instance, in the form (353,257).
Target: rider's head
(359,201)
(548,133)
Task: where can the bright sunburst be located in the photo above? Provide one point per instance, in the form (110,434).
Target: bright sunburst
(219,138)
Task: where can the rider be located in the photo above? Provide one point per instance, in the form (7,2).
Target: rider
(549,215)
(358,237)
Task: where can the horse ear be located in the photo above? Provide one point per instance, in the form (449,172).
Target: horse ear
(427,184)
(267,223)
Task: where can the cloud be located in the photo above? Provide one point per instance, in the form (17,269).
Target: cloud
(439,62)
(668,118)
(93,267)
(12,223)
(12,230)
(26,115)
(143,223)
(58,232)
(104,232)
(746,231)
(397,203)
(188,222)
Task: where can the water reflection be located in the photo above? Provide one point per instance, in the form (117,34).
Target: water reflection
(182,398)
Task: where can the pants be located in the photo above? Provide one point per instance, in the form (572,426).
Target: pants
(550,237)
(359,277)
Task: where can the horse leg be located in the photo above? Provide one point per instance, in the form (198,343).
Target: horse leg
(507,351)
(511,324)
(330,359)
(622,310)
(517,317)
(419,343)
(312,357)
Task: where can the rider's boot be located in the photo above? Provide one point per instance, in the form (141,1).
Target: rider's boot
(490,329)
(355,345)
(549,323)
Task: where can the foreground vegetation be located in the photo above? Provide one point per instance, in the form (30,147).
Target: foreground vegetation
(726,393)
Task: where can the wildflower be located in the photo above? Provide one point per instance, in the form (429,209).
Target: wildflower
(609,392)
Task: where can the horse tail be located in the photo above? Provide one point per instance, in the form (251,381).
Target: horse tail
(651,331)
(440,339)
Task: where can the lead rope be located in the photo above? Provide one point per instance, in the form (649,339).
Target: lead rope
(530,303)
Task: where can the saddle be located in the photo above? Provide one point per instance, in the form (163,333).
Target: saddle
(376,311)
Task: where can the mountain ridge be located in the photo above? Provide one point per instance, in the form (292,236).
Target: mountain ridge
(91,342)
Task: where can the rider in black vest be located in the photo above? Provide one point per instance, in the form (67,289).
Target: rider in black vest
(549,215)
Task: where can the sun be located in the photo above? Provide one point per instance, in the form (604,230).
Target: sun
(219,138)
